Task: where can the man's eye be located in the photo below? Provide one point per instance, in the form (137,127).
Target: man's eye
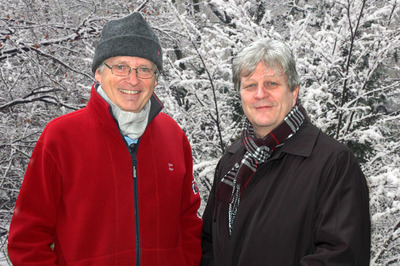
(270,85)
(121,67)
(144,69)
(250,86)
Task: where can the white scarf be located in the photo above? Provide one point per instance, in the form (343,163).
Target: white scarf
(131,124)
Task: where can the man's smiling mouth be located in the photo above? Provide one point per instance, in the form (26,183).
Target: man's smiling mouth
(129,91)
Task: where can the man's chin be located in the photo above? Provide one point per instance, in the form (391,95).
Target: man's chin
(130,108)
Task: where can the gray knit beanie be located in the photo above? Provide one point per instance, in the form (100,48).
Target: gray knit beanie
(128,36)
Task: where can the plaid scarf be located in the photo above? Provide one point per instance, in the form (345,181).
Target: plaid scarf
(257,152)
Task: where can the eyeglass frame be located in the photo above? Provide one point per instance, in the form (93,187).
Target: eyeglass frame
(130,71)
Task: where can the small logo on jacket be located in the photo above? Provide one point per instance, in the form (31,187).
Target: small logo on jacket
(194,187)
(170,167)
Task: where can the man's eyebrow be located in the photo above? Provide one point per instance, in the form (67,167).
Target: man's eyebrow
(146,65)
(118,63)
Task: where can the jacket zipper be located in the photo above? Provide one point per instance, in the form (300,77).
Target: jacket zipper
(133,149)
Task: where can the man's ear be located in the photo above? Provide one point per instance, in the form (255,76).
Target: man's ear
(97,75)
(295,94)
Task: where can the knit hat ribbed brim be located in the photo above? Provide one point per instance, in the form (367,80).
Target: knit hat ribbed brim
(128,36)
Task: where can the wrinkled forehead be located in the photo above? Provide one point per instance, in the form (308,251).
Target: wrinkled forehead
(270,69)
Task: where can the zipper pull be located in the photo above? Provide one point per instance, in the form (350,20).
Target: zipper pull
(132,148)
(134,170)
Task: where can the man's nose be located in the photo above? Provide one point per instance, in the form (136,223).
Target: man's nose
(133,78)
(260,92)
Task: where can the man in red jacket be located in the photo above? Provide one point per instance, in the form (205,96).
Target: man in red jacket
(285,193)
(112,183)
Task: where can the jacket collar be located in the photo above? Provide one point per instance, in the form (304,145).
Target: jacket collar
(156,107)
(301,143)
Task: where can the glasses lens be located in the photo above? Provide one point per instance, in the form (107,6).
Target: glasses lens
(144,72)
(121,70)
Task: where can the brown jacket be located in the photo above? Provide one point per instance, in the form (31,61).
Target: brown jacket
(308,205)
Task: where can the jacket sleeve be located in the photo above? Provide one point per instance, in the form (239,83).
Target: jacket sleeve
(341,233)
(32,227)
(191,223)
(207,258)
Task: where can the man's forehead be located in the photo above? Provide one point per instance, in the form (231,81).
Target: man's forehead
(267,73)
(130,60)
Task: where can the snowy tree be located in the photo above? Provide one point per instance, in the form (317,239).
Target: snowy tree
(348,55)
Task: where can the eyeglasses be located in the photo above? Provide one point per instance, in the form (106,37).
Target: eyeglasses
(124,71)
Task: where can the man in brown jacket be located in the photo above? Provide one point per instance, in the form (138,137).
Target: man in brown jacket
(285,193)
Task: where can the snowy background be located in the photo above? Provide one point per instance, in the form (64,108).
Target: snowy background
(347,53)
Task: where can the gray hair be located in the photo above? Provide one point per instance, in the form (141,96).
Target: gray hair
(101,66)
(273,53)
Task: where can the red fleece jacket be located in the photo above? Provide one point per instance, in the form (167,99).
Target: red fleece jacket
(78,193)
